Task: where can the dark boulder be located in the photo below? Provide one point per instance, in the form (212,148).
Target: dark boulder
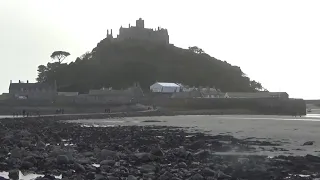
(100,177)
(131,177)
(313,158)
(62,159)
(41,145)
(308,143)
(147,168)
(26,165)
(112,178)
(16,153)
(144,157)
(208,172)
(14,174)
(107,162)
(157,151)
(79,168)
(197,177)
(197,145)
(166,176)
(107,154)
(182,165)
(202,154)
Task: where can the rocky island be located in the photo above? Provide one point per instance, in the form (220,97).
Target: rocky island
(119,72)
(143,55)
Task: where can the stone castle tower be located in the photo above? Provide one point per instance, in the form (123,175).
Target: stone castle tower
(139,32)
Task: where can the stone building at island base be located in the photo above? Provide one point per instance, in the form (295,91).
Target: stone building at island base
(37,91)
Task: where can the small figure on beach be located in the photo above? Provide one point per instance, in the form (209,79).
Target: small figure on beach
(60,111)
(296,114)
(23,113)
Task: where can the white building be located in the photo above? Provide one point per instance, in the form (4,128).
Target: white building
(165,87)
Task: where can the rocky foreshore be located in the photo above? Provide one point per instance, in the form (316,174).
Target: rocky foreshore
(57,149)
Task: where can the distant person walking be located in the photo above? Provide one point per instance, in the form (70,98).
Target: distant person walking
(107,110)
(23,113)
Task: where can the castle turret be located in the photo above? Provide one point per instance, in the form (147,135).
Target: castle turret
(139,32)
(109,35)
(140,23)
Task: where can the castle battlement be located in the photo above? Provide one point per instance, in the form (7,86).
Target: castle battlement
(139,32)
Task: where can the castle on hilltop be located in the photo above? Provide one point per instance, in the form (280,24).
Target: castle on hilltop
(139,32)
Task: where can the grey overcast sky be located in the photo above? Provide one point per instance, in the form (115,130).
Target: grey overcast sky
(275,42)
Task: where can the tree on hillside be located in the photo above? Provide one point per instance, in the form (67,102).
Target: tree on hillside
(42,74)
(49,73)
(196,50)
(256,85)
(59,55)
(86,56)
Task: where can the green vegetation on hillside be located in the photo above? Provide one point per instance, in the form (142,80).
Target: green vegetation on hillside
(121,64)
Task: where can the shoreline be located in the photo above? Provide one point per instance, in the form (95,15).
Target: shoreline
(148,113)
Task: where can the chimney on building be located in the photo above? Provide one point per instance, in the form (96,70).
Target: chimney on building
(27,81)
(111,32)
(107,32)
(129,25)
(19,81)
(10,81)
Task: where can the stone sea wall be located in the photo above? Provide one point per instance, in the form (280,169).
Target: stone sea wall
(258,105)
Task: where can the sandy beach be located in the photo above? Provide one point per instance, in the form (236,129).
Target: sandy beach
(291,132)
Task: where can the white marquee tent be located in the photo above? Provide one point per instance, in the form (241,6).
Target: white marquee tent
(165,87)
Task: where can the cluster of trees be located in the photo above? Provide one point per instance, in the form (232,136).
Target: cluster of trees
(121,64)
(196,49)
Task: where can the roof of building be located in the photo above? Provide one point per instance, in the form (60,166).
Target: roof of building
(30,86)
(166,84)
